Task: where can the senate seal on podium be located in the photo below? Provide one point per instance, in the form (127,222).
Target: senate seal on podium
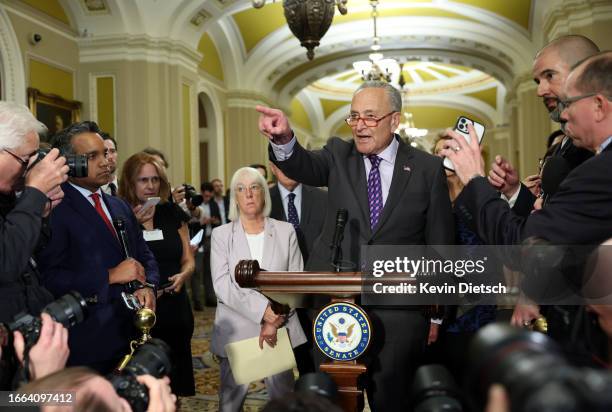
(342,331)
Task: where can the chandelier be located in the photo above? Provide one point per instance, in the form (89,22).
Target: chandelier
(377,68)
(407,129)
(308,20)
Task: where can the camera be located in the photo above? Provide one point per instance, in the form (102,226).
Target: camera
(537,378)
(192,195)
(151,358)
(434,389)
(68,310)
(77,164)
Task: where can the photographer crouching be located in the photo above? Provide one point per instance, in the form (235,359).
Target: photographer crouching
(29,189)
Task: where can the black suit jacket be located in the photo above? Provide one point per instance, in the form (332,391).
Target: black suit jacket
(574,156)
(312,215)
(417,209)
(579,213)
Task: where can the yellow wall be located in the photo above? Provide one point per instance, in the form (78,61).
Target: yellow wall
(211,63)
(50,79)
(50,8)
(186,117)
(299,116)
(105,89)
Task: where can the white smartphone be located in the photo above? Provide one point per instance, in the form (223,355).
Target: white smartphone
(462,128)
(151,202)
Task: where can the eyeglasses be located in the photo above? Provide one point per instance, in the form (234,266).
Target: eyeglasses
(369,121)
(253,187)
(566,103)
(24,163)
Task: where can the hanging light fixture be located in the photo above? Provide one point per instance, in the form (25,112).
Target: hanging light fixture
(377,68)
(309,20)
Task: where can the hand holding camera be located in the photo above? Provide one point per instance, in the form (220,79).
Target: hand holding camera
(48,173)
(51,351)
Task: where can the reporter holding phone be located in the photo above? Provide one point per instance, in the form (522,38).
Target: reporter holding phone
(165,231)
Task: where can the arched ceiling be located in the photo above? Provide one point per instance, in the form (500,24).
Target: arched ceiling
(470,50)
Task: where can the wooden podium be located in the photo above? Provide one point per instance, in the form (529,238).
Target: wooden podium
(341,287)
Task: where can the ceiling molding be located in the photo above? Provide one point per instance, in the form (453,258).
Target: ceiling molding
(572,14)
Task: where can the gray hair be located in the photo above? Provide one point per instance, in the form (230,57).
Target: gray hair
(16,122)
(234,212)
(395,98)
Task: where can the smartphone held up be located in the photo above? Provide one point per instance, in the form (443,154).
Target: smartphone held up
(461,127)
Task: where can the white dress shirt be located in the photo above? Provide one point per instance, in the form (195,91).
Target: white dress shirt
(297,200)
(87,195)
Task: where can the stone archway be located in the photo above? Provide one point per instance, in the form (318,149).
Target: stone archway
(210,137)
(12,71)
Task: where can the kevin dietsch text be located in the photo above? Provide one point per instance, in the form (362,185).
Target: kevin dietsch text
(446,288)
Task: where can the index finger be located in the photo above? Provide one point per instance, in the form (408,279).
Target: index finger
(266,111)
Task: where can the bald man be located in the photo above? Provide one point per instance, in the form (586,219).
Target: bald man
(551,67)
(579,213)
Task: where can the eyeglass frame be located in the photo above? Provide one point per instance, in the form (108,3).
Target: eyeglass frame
(253,188)
(366,120)
(563,104)
(25,164)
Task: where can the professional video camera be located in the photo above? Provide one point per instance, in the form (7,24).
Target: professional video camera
(192,195)
(68,310)
(77,164)
(535,375)
(150,358)
(434,389)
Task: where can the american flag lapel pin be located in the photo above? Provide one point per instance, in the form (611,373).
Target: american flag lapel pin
(407,168)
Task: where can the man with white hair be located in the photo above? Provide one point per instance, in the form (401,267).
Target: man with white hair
(29,189)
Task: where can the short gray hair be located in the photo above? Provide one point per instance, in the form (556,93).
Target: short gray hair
(234,212)
(16,122)
(395,97)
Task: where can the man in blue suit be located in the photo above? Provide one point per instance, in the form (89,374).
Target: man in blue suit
(84,254)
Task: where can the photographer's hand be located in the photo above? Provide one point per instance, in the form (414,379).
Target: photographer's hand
(126,271)
(498,400)
(178,194)
(432,337)
(161,398)
(55,196)
(48,173)
(51,351)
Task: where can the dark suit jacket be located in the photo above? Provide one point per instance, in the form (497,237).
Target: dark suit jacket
(78,256)
(417,209)
(312,215)
(574,156)
(579,213)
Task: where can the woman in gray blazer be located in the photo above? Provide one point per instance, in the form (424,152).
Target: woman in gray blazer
(246,313)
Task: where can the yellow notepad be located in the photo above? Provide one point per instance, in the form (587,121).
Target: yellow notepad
(250,363)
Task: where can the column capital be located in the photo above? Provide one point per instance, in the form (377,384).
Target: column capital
(127,47)
(575,13)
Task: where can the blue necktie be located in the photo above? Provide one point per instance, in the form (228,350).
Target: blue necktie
(292,215)
(375,197)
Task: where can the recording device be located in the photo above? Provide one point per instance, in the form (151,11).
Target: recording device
(150,358)
(318,383)
(537,378)
(151,202)
(77,164)
(461,127)
(68,310)
(554,171)
(336,245)
(434,389)
(192,195)
(119,225)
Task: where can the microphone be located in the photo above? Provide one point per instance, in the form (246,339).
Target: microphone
(555,170)
(119,225)
(336,254)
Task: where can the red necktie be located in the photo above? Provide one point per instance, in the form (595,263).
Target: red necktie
(98,206)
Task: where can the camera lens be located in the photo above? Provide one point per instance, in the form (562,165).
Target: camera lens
(77,165)
(434,389)
(68,310)
(152,358)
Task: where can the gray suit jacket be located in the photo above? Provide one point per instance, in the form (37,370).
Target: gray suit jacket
(240,311)
(417,210)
